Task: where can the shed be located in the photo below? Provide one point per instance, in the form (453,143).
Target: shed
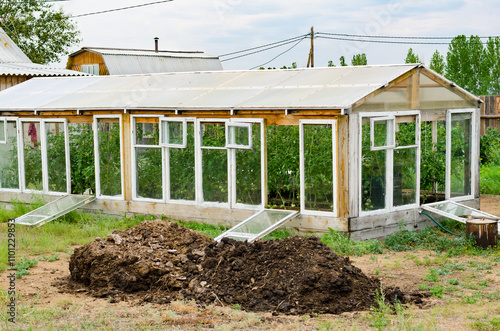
(117,61)
(354,149)
(16,67)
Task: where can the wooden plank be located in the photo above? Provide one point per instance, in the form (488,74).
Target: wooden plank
(343,166)
(127,156)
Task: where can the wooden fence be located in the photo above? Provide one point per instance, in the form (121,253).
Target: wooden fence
(490,112)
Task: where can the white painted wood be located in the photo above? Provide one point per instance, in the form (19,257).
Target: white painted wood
(96,156)
(303,209)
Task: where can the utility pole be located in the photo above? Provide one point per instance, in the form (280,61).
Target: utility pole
(310,61)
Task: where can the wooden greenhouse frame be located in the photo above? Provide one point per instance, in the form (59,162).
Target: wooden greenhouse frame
(363,109)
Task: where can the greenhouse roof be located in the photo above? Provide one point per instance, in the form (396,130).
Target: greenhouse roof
(312,88)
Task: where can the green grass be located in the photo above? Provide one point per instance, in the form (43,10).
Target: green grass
(490,179)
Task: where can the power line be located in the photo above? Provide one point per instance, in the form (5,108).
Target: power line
(390,37)
(274,58)
(266,49)
(277,42)
(122,8)
(393,42)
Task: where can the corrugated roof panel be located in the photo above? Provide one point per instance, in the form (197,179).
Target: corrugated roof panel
(132,64)
(142,52)
(35,93)
(9,51)
(316,88)
(34,69)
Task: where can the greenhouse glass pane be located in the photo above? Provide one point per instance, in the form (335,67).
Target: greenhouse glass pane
(406,133)
(213,134)
(81,145)
(32,156)
(461,143)
(405,176)
(149,173)
(432,161)
(56,156)
(248,171)
(146,133)
(109,156)
(182,169)
(318,167)
(373,170)
(456,211)
(53,210)
(258,225)
(2,131)
(9,166)
(239,135)
(215,185)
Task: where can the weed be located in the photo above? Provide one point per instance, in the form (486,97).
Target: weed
(236,306)
(453,281)
(51,258)
(379,315)
(437,291)
(423,286)
(23,266)
(483,283)
(432,276)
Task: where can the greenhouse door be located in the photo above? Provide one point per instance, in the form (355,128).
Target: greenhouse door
(390,161)
(460,154)
(230,155)
(318,171)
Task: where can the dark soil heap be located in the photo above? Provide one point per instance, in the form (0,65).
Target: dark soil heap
(160,261)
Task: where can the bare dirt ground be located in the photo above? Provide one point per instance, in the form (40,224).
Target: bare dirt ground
(471,287)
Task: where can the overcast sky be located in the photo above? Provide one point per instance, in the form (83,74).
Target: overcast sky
(222,26)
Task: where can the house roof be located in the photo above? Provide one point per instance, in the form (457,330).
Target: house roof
(13,62)
(313,88)
(9,51)
(135,61)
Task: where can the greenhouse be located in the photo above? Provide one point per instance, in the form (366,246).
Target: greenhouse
(354,149)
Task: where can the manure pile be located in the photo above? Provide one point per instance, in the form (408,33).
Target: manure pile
(159,261)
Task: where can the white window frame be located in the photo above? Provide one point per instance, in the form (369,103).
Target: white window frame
(134,159)
(166,167)
(303,209)
(230,133)
(96,157)
(474,154)
(391,133)
(199,164)
(389,175)
(166,133)
(18,145)
(4,121)
(90,69)
(43,146)
(263,170)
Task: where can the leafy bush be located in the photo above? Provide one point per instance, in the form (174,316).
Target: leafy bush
(490,179)
(490,147)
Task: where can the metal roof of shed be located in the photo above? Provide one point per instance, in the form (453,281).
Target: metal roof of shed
(9,51)
(316,88)
(136,61)
(13,62)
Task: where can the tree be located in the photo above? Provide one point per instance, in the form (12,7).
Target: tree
(411,57)
(42,32)
(437,63)
(359,60)
(342,61)
(465,64)
(491,66)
